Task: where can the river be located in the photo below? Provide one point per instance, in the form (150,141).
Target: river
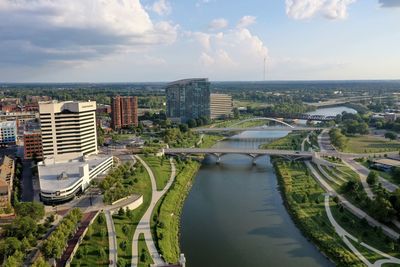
(234,214)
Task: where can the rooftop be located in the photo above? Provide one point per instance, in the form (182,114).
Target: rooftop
(55,176)
(186,81)
(388,162)
(8,124)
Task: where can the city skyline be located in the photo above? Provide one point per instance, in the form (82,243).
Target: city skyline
(137,41)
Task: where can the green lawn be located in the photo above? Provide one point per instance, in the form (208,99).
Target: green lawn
(142,187)
(370,144)
(210,140)
(290,142)
(145,259)
(161,169)
(305,200)
(167,213)
(88,252)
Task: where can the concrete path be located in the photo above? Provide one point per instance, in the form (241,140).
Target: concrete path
(363,178)
(350,207)
(144,224)
(112,239)
(364,171)
(346,236)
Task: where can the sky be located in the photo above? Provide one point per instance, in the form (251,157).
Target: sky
(224,40)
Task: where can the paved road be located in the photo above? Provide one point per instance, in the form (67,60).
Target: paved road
(112,239)
(27,182)
(144,224)
(363,171)
(350,207)
(351,163)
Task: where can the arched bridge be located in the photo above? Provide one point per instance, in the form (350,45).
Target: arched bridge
(263,119)
(262,129)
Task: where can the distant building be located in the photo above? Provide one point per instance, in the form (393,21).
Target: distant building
(124,112)
(188,99)
(221,106)
(7,170)
(8,132)
(69,143)
(33,145)
(103,109)
(391,117)
(68,127)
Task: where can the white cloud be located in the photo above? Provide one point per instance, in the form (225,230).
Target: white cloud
(235,49)
(246,21)
(218,24)
(305,9)
(35,32)
(161,7)
(202,2)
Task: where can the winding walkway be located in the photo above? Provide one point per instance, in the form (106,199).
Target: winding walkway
(350,207)
(144,224)
(112,239)
(345,236)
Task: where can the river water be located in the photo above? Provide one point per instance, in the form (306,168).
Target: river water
(234,214)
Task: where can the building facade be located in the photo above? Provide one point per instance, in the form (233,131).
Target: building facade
(33,145)
(124,112)
(7,170)
(63,178)
(221,106)
(188,99)
(8,132)
(68,127)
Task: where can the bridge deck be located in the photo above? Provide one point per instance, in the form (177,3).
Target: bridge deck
(271,152)
(258,129)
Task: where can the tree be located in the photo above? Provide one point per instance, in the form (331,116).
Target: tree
(391,136)
(121,212)
(192,123)
(372,178)
(40,262)
(35,210)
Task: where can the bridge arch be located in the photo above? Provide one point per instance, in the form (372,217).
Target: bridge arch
(262,119)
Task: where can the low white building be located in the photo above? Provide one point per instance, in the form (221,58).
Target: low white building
(62,178)
(8,132)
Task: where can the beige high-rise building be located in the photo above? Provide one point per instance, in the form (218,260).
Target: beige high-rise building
(221,106)
(68,128)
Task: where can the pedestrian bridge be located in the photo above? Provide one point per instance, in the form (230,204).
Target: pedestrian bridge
(257,129)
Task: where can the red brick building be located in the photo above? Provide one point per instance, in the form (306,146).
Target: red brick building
(33,145)
(124,112)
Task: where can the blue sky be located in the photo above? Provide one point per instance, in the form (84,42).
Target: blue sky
(164,40)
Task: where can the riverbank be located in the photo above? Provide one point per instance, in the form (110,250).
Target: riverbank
(166,217)
(303,199)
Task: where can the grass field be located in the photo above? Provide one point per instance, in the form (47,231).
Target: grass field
(167,215)
(161,169)
(210,140)
(292,141)
(144,256)
(142,187)
(88,252)
(305,201)
(370,144)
